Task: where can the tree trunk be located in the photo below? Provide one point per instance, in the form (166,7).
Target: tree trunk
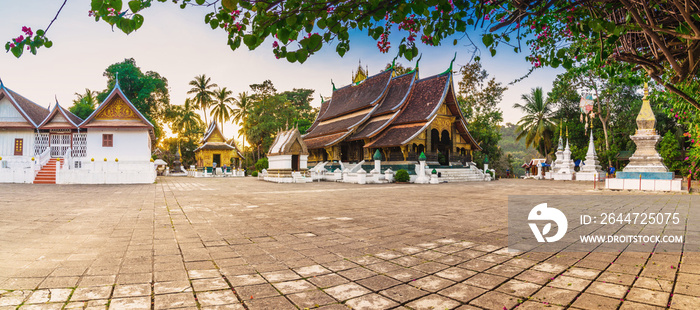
(607,144)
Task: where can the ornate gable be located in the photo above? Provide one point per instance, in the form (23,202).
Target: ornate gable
(117,109)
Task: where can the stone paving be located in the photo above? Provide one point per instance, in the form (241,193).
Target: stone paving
(187,243)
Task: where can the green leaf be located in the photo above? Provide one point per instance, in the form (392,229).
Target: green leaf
(230,5)
(137,21)
(493,51)
(454,42)
(477,58)
(283,35)
(561,53)
(302,55)
(17,51)
(40,32)
(291,57)
(487,39)
(135,6)
(315,42)
(214,23)
(321,23)
(96,4)
(250,40)
(117,5)
(200,2)
(291,20)
(48,44)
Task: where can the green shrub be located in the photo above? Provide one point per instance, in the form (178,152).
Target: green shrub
(490,172)
(262,164)
(402,176)
(255,174)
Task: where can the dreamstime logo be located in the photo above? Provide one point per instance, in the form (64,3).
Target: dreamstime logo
(541,213)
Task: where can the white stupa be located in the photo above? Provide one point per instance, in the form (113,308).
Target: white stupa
(564,167)
(591,169)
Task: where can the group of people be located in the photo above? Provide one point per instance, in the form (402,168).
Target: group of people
(213,168)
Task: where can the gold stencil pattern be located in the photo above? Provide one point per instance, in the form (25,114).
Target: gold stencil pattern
(117,109)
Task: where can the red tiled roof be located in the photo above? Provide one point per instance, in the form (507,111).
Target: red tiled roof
(336,126)
(357,97)
(399,89)
(73,121)
(319,142)
(397,135)
(425,99)
(321,111)
(33,112)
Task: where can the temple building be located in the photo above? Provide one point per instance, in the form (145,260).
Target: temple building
(287,158)
(214,148)
(399,115)
(113,145)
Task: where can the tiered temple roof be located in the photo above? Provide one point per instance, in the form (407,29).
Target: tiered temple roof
(214,140)
(387,109)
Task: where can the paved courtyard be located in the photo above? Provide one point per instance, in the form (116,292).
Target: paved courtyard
(187,243)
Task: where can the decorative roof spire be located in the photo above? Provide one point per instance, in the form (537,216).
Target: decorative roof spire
(422,156)
(2,85)
(321,98)
(360,75)
(333,84)
(116,79)
(560,146)
(449,70)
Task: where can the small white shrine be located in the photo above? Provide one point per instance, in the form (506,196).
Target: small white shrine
(288,157)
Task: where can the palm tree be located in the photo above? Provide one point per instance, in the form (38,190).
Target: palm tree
(221,110)
(202,93)
(240,110)
(536,126)
(89,97)
(185,119)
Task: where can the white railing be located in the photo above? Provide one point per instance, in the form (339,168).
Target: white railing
(44,157)
(67,160)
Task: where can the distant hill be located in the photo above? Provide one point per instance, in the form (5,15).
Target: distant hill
(516,149)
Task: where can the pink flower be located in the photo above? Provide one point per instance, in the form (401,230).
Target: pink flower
(686,158)
(27,31)
(12,45)
(19,39)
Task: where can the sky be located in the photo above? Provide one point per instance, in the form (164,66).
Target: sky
(178,45)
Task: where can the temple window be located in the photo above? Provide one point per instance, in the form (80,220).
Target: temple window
(19,147)
(107,140)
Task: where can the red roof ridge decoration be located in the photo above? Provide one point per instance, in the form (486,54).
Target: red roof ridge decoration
(30,111)
(72,119)
(116,92)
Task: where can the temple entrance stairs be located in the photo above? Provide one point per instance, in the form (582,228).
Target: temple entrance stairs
(471,174)
(47,174)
